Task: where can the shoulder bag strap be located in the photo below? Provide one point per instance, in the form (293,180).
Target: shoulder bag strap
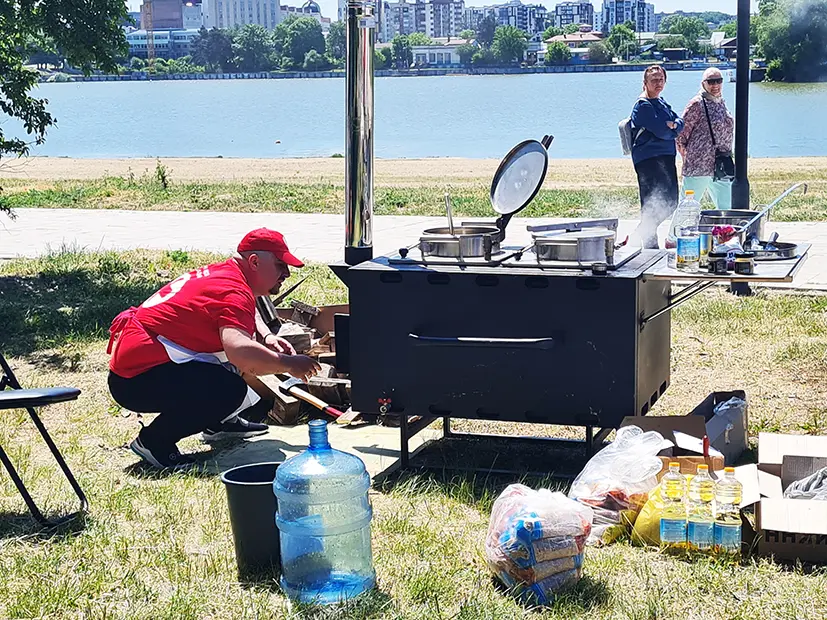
(711,133)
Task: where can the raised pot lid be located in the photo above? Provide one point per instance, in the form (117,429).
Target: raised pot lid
(520,176)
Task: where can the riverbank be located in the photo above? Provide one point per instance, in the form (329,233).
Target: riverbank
(424,71)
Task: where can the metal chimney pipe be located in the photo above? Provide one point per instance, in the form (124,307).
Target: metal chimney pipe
(740,185)
(361,26)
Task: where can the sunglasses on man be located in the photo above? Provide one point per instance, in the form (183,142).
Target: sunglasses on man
(715,81)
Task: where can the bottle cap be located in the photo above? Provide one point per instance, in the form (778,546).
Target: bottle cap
(703,467)
(690,192)
(729,470)
(674,464)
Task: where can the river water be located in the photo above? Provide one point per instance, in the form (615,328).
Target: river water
(456,116)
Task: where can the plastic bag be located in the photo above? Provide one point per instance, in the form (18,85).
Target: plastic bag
(536,538)
(811,487)
(646,530)
(616,482)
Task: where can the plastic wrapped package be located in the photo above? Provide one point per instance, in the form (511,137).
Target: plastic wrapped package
(536,540)
(811,487)
(616,482)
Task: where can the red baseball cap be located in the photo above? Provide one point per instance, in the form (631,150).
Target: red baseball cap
(266,240)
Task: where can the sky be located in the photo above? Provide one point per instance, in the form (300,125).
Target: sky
(329,7)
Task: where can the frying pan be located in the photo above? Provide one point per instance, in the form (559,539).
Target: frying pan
(518,178)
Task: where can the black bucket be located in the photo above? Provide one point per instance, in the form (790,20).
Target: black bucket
(253,518)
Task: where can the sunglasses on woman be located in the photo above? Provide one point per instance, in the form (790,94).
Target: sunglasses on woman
(715,81)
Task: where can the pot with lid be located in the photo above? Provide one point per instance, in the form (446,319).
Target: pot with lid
(518,179)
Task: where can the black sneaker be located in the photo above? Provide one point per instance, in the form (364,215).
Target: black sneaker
(237,428)
(173,460)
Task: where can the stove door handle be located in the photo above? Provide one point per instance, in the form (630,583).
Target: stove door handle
(502,343)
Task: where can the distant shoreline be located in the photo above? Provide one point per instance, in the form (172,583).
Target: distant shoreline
(428,72)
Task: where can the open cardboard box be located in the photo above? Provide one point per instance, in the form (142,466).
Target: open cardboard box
(727,433)
(789,529)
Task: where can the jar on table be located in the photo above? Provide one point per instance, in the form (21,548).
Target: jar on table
(717,263)
(745,263)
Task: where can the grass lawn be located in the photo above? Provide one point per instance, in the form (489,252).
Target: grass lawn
(159,546)
(568,192)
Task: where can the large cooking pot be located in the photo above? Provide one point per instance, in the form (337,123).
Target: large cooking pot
(734,217)
(583,246)
(461,241)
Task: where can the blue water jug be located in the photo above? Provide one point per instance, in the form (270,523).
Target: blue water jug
(323,518)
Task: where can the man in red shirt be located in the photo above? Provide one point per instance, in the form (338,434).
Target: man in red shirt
(179,354)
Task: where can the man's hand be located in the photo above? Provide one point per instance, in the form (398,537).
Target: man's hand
(672,124)
(302,367)
(279,345)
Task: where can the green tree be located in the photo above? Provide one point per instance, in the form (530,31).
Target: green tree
(213,49)
(510,43)
(484,57)
(253,48)
(600,54)
(402,54)
(87,33)
(622,41)
(558,53)
(730,29)
(314,61)
(466,52)
(380,60)
(673,41)
(468,34)
(387,54)
(303,34)
(691,28)
(485,31)
(419,38)
(552,31)
(137,64)
(630,25)
(793,37)
(571,29)
(336,42)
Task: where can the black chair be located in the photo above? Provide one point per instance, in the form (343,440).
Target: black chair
(13,396)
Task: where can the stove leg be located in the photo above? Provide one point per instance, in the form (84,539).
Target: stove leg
(740,289)
(446,427)
(403,441)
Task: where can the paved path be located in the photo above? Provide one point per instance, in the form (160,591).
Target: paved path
(317,237)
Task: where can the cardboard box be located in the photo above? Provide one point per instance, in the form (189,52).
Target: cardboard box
(789,529)
(689,464)
(728,435)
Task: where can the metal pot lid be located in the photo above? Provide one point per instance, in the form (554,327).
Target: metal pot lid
(462,231)
(520,176)
(589,233)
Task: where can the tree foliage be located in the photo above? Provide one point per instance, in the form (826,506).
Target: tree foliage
(691,29)
(303,34)
(485,31)
(419,38)
(510,43)
(622,41)
(467,34)
(253,48)
(466,52)
(401,52)
(571,29)
(213,49)
(599,53)
(557,53)
(552,31)
(87,33)
(792,35)
(336,41)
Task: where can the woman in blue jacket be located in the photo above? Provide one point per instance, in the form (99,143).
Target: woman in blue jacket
(655,127)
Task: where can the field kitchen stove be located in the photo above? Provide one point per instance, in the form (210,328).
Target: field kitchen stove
(567,326)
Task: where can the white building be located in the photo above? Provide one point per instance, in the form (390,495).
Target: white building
(308,9)
(191,15)
(567,13)
(443,18)
(167,43)
(442,54)
(530,18)
(231,13)
(617,12)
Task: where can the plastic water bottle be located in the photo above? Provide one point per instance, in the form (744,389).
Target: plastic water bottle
(323,517)
(701,521)
(687,215)
(673,517)
(727,533)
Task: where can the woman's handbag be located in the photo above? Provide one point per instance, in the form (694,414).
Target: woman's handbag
(724,164)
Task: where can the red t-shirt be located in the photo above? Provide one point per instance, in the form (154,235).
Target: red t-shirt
(188,311)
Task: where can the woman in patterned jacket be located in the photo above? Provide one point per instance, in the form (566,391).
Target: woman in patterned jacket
(701,138)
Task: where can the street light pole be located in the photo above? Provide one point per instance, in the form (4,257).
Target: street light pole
(740,185)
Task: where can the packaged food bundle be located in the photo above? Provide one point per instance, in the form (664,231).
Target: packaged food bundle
(536,541)
(616,482)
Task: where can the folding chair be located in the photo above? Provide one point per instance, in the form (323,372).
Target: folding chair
(12,396)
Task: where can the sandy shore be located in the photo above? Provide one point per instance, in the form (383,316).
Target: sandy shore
(563,173)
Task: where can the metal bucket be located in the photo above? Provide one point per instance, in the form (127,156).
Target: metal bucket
(734,217)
